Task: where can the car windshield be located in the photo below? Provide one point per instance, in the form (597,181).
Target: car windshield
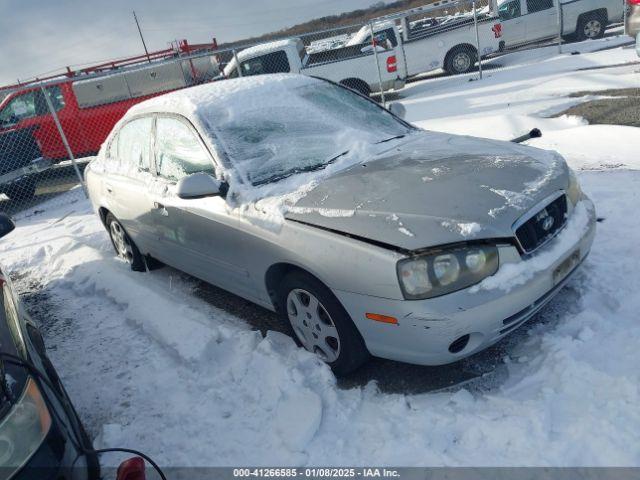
(295,126)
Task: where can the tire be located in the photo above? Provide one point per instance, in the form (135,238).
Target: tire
(22,190)
(460,59)
(326,330)
(357,85)
(590,27)
(123,245)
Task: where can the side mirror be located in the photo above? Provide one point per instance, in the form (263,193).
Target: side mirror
(198,185)
(397,109)
(6,224)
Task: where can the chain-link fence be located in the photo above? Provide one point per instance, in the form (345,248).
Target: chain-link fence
(50,130)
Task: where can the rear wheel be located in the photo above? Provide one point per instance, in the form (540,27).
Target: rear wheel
(123,245)
(357,85)
(320,323)
(590,26)
(461,59)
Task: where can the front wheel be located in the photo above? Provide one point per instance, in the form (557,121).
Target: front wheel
(123,245)
(461,59)
(320,323)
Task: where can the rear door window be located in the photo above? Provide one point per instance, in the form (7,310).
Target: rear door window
(134,145)
(538,5)
(178,150)
(509,10)
(387,38)
(276,62)
(56,97)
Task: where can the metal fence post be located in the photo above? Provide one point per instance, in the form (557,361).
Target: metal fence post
(375,54)
(475,22)
(559,26)
(235,57)
(65,142)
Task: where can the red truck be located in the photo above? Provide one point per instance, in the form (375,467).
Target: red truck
(88,104)
(85,128)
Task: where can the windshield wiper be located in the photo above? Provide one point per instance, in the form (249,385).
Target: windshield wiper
(295,171)
(391,138)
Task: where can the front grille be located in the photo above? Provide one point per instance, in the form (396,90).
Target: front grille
(540,228)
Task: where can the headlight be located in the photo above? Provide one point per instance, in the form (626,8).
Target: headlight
(439,273)
(23,429)
(574,193)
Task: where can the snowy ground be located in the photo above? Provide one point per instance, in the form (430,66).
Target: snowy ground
(151,366)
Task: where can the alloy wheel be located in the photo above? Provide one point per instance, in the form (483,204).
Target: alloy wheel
(592,28)
(313,325)
(121,241)
(461,62)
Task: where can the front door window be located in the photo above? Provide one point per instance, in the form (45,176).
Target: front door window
(178,150)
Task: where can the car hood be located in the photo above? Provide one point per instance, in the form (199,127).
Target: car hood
(434,189)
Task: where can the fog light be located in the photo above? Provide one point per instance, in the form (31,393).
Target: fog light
(459,344)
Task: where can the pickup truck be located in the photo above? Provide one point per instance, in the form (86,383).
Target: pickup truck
(352,66)
(528,21)
(436,42)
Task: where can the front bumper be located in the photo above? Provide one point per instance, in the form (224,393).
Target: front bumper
(427,329)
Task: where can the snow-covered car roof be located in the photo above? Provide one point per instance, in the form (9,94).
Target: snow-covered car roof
(192,101)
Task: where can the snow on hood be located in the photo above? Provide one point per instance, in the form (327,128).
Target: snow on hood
(430,191)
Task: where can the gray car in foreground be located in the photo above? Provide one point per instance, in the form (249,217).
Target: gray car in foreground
(368,235)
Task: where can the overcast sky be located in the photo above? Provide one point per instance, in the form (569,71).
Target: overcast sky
(40,36)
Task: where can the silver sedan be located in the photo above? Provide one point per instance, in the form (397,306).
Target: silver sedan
(369,236)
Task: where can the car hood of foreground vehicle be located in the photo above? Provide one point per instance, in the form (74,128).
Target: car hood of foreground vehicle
(433,190)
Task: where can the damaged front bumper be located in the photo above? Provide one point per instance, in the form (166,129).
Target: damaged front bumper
(445,329)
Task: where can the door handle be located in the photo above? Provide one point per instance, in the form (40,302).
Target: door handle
(108,188)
